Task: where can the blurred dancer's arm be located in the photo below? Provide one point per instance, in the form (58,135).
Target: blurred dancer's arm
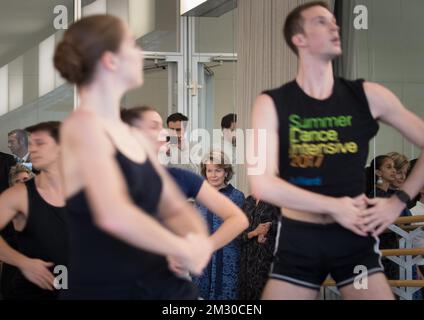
(234,220)
(385,106)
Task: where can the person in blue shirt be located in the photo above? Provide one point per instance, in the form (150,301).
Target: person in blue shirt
(193,186)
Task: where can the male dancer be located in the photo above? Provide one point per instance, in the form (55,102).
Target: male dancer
(37,211)
(318,129)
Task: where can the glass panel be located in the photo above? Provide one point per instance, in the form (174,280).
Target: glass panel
(215,42)
(391,55)
(216,34)
(220,80)
(155,91)
(30,89)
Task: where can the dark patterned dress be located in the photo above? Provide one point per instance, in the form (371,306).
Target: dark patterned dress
(256,258)
(219,280)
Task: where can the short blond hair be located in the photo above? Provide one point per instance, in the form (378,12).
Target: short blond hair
(219,159)
(17,169)
(400,160)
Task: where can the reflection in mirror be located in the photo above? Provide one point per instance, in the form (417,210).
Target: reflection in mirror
(157,90)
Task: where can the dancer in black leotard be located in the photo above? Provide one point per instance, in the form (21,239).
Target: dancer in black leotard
(116,191)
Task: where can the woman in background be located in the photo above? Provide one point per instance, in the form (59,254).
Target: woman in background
(219,280)
(20,174)
(193,186)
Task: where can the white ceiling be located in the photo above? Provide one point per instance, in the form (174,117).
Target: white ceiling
(24,23)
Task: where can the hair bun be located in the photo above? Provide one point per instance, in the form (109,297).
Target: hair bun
(68,61)
(83,45)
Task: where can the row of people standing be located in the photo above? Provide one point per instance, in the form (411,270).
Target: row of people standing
(239,269)
(214,197)
(220,279)
(387,176)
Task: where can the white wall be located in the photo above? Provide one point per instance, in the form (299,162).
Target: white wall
(4,89)
(16,83)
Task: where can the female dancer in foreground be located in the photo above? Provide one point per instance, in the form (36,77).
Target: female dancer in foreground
(116,192)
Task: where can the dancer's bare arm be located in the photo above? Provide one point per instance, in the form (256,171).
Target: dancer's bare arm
(386,107)
(234,220)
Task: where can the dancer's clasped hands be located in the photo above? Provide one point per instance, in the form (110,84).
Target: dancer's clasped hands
(365,216)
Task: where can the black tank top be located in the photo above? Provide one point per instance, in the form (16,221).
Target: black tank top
(104,267)
(324,143)
(44,237)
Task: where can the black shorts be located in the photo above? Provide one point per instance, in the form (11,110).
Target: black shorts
(306,253)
